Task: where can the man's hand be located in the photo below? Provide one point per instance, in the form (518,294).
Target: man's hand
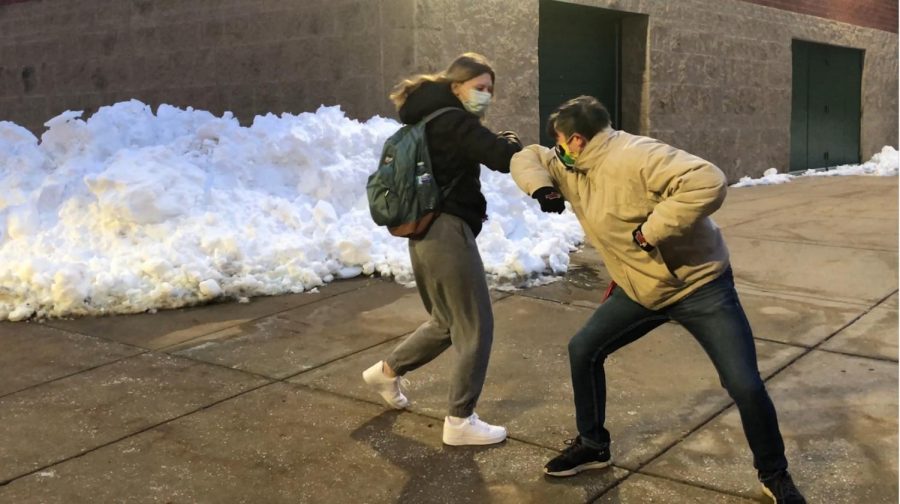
(638,237)
(550,199)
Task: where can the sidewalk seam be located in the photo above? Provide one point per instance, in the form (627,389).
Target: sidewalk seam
(809,242)
(133,434)
(361,350)
(269,381)
(248,321)
(526,442)
(859,356)
(76,373)
(775,373)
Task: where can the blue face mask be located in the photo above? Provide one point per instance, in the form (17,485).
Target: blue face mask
(477,102)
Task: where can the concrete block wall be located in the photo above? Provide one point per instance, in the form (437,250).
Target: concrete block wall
(717,78)
(246,56)
(721,80)
(506,33)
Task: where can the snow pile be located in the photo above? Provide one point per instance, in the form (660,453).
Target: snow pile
(131,211)
(770,177)
(882,164)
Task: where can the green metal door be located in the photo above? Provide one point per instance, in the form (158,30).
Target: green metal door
(825,112)
(578,54)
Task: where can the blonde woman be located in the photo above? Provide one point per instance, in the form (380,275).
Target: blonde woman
(446,263)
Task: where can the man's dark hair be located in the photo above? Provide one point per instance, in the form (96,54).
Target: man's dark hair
(584,115)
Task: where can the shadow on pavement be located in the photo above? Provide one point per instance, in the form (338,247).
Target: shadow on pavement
(446,474)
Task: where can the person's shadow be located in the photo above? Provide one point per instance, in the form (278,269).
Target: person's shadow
(436,475)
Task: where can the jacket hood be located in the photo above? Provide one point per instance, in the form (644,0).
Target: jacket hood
(427,98)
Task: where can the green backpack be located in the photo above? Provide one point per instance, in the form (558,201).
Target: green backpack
(403,194)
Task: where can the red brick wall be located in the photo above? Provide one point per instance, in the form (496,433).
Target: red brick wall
(878,14)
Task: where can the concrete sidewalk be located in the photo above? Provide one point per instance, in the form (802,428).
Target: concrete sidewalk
(263,402)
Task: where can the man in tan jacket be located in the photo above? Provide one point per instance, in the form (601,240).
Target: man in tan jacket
(645,207)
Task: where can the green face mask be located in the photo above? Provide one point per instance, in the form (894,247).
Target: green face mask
(566,157)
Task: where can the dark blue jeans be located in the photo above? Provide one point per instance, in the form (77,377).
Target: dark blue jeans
(714,316)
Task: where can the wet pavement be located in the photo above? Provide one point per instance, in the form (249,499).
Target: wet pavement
(263,402)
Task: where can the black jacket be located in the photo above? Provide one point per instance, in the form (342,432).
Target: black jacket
(457,144)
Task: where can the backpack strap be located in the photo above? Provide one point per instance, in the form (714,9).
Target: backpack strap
(437,113)
(444,190)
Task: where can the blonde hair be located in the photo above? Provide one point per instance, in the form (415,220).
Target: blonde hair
(466,66)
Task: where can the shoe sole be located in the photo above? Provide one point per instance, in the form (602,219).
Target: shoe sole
(577,469)
(769,494)
(475,442)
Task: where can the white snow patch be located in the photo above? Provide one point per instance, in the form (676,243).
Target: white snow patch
(882,164)
(133,211)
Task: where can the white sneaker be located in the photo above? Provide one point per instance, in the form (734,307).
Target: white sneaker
(471,431)
(389,388)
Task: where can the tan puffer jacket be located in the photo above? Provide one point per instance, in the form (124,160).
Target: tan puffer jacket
(622,181)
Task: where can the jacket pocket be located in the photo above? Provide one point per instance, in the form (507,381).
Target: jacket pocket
(667,266)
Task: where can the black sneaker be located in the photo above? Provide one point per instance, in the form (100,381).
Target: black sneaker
(577,457)
(780,487)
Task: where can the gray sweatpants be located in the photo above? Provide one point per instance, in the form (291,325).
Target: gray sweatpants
(450,279)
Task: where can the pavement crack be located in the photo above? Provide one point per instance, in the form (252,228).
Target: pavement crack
(249,321)
(682,482)
(811,242)
(859,356)
(342,357)
(76,373)
(768,379)
(420,414)
(135,433)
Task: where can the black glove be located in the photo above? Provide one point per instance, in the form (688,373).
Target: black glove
(511,136)
(638,237)
(550,199)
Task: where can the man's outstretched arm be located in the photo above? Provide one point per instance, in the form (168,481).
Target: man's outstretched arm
(533,171)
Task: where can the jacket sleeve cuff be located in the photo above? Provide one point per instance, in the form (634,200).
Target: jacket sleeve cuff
(650,233)
(529,171)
